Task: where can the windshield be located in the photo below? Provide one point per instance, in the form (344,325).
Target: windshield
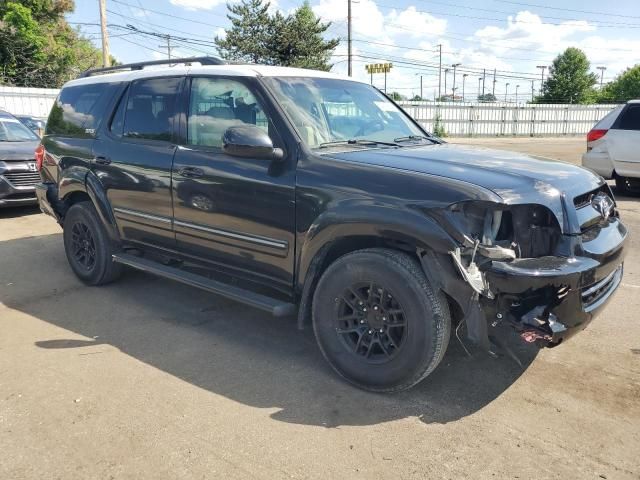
(11,130)
(326,110)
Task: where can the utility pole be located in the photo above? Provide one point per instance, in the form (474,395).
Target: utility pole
(506,89)
(484,74)
(349,71)
(106,60)
(602,69)
(517,87)
(479,82)
(168,46)
(455,65)
(464,78)
(532,91)
(440,73)
(446,70)
(493,90)
(542,68)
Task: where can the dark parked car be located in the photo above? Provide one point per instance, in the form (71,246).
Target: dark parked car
(35,124)
(18,173)
(299,191)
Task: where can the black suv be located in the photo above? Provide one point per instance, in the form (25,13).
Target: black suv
(299,191)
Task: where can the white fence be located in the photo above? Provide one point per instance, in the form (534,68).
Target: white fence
(493,119)
(36,102)
(458,119)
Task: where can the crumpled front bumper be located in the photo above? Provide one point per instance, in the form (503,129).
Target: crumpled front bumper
(552,298)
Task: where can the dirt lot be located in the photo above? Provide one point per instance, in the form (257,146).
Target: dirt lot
(149,379)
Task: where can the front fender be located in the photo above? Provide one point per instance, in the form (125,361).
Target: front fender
(356,218)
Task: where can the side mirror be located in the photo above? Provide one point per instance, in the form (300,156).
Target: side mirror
(249,141)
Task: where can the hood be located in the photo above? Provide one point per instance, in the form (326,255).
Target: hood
(18,150)
(515,177)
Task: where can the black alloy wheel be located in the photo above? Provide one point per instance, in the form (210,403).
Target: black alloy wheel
(83,245)
(370,322)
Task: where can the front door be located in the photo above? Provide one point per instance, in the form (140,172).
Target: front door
(133,157)
(235,213)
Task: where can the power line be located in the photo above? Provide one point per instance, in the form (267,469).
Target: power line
(567,9)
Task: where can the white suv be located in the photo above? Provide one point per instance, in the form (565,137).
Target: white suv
(613,147)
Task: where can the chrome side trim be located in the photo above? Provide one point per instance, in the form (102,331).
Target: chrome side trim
(136,213)
(269,242)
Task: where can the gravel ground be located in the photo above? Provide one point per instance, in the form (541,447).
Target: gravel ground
(150,379)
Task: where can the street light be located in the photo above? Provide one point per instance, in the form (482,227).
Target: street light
(464,77)
(479,82)
(506,89)
(455,65)
(517,87)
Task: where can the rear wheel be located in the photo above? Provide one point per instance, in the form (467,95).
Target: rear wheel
(87,246)
(378,320)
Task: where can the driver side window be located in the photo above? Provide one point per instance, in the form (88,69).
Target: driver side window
(216,104)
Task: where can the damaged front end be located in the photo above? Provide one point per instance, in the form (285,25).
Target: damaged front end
(519,264)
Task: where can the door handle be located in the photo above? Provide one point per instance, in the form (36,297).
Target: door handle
(102,160)
(191,172)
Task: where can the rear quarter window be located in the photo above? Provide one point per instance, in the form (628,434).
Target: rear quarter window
(629,119)
(79,110)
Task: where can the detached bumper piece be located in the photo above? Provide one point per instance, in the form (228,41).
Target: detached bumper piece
(550,299)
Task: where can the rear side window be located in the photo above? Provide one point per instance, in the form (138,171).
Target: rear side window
(630,118)
(151,107)
(78,111)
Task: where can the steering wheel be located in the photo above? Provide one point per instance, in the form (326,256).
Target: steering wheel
(371,123)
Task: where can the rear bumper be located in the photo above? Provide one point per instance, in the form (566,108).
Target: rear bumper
(549,299)
(598,162)
(43,192)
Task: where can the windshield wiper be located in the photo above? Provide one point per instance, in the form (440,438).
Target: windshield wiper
(356,141)
(409,138)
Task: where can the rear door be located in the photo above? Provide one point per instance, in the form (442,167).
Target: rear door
(623,141)
(235,213)
(133,158)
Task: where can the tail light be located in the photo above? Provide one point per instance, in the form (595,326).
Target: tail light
(39,156)
(596,134)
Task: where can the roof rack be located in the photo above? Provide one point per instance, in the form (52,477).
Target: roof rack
(142,65)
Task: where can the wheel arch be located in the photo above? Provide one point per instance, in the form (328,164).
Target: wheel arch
(80,184)
(410,233)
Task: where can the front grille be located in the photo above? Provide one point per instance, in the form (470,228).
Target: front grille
(23,179)
(585,199)
(594,294)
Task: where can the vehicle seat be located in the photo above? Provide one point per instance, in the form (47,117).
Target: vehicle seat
(140,118)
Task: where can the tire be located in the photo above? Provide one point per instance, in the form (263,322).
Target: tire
(371,348)
(87,246)
(627,186)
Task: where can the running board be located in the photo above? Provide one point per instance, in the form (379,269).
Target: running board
(275,307)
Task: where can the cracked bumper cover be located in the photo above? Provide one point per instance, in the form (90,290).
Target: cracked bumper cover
(571,291)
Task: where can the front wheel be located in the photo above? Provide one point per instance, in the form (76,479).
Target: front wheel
(378,321)
(87,246)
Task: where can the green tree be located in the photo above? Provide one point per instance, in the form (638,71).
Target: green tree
(248,39)
(37,46)
(298,40)
(570,80)
(625,87)
(487,97)
(396,96)
(295,40)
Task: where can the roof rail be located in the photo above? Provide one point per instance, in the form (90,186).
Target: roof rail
(141,65)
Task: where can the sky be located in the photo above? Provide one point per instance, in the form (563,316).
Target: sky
(512,37)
